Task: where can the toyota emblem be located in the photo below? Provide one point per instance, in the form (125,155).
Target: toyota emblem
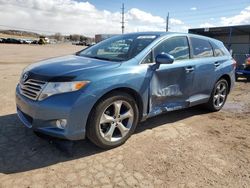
(25,77)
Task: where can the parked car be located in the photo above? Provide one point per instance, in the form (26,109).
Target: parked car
(104,95)
(34,42)
(243,68)
(2,40)
(42,41)
(12,41)
(80,43)
(90,44)
(26,41)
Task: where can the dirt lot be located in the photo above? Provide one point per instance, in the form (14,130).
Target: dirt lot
(189,148)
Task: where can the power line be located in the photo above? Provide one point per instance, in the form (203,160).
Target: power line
(177,13)
(211,12)
(197,18)
(204,9)
(192,17)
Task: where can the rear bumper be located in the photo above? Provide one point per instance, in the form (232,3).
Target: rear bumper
(41,116)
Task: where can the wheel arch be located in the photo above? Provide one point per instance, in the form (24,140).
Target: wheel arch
(228,79)
(136,96)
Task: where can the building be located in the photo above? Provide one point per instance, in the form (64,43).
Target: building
(100,37)
(235,38)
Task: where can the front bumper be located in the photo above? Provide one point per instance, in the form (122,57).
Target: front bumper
(41,116)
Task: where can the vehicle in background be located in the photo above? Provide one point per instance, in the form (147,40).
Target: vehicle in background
(105,90)
(12,41)
(79,43)
(34,42)
(16,41)
(243,68)
(2,40)
(43,40)
(90,44)
(26,41)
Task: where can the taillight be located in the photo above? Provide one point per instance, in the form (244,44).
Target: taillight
(234,63)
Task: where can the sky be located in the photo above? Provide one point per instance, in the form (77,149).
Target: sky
(104,16)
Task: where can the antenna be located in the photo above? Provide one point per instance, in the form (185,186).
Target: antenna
(123,27)
(167,22)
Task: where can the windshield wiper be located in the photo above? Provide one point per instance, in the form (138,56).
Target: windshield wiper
(103,58)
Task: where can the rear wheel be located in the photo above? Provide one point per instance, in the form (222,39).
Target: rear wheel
(218,96)
(113,120)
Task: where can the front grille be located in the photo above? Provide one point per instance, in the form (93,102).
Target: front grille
(32,88)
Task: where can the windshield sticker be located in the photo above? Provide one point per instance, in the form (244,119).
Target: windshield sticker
(146,37)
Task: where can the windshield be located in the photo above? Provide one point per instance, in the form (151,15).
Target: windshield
(119,48)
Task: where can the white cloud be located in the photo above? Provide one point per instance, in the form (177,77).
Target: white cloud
(174,21)
(70,16)
(242,18)
(193,8)
(139,15)
(207,25)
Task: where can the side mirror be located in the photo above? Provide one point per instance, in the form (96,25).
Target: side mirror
(164,59)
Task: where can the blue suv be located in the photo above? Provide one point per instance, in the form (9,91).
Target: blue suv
(103,91)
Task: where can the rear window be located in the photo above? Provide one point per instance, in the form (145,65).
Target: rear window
(201,48)
(218,49)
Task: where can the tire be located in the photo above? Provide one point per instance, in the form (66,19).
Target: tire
(236,77)
(218,96)
(112,120)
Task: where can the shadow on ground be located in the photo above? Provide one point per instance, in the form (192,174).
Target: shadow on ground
(21,150)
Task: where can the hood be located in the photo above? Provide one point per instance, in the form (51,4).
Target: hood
(70,65)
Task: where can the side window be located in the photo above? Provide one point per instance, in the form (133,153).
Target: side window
(201,48)
(175,46)
(218,51)
(148,58)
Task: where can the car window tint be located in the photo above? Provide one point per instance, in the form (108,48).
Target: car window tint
(148,59)
(201,48)
(175,46)
(218,51)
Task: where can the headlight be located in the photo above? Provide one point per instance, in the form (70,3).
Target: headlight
(53,88)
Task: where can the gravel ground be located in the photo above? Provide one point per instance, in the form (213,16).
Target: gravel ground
(187,148)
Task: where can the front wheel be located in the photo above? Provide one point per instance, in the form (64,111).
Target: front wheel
(218,96)
(113,120)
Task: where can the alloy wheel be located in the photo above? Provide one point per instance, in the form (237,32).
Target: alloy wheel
(116,121)
(220,94)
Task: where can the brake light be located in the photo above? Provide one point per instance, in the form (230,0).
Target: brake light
(234,63)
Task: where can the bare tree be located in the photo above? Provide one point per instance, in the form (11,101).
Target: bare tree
(58,37)
(74,37)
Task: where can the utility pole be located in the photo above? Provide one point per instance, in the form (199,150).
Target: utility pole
(167,22)
(123,18)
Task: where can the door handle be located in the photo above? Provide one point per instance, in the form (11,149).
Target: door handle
(189,69)
(216,64)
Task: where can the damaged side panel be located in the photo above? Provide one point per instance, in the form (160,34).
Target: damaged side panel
(170,87)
